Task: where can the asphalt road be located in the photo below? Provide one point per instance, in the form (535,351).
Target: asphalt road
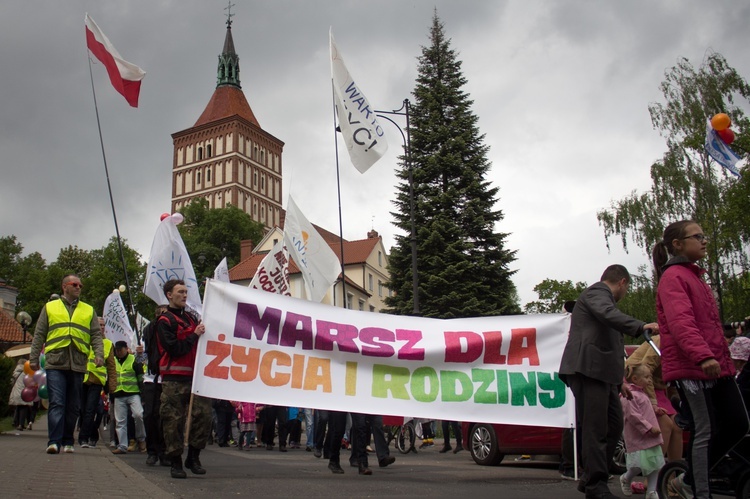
(263,473)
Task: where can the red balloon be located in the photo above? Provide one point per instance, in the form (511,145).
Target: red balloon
(163,216)
(28,394)
(726,135)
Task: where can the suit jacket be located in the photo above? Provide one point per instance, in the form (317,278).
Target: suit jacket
(595,345)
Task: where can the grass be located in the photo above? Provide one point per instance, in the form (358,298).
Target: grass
(6,424)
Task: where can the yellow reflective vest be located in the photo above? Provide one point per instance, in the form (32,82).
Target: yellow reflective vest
(127,381)
(99,373)
(64,329)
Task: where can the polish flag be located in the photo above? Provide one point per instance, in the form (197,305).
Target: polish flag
(125,77)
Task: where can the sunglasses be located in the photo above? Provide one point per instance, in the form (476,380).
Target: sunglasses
(75,285)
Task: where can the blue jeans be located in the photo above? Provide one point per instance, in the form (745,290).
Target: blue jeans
(133,402)
(64,388)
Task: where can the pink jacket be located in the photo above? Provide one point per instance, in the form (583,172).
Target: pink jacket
(639,417)
(245,412)
(689,323)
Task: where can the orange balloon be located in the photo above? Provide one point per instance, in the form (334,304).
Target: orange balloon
(720,122)
(27,368)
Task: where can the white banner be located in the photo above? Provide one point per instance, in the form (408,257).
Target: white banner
(268,348)
(273,272)
(170,260)
(116,324)
(720,152)
(363,135)
(316,260)
(221,272)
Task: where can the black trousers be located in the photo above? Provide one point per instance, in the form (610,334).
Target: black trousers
(151,399)
(599,422)
(271,415)
(336,428)
(322,431)
(447,425)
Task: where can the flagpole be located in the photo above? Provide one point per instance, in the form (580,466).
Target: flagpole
(338,188)
(112,203)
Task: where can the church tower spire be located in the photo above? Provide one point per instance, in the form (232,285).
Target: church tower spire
(228,72)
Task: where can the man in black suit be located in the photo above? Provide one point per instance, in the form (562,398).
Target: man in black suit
(593,366)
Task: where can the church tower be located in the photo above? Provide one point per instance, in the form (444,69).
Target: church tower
(226,157)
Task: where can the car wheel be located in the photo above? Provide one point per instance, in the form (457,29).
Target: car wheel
(483,445)
(619,457)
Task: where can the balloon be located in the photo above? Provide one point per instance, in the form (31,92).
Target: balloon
(726,135)
(38,377)
(42,361)
(27,368)
(122,288)
(29,381)
(28,394)
(721,121)
(163,216)
(45,403)
(177,218)
(43,392)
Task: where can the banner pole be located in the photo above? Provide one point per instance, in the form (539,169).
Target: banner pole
(112,203)
(189,418)
(338,188)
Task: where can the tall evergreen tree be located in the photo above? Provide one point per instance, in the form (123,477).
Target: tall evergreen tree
(463,265)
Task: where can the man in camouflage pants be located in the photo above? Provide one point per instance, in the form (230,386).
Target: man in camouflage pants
(177,336)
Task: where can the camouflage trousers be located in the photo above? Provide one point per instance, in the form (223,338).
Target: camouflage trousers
(175,399)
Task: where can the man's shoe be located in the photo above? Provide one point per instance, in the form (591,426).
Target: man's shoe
(354,464)
(678,487)
(193,462)
(386,461)
(131,447)
(445,449)
(269,447)
(119,451)
(581,486)
(335,468)
(68,449)
(53,449)
(142,446)
(84,445)
(29,427)
(308,449)
(177,471)
(317,452)
(625,486)
(282,448)
(164,461)
(364,470)
(152,459)
(458,449)
(92,444)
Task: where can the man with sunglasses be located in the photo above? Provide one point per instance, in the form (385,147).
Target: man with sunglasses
(68,329)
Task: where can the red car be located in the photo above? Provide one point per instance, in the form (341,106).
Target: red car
(489,443)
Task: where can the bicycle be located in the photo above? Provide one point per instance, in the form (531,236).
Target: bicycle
(404,435)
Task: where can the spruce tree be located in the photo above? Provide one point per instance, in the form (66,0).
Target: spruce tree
(463,265)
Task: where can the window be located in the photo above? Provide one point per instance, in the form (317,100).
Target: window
(198,178)
(208,174)
(380,258)
(263,182)
(361,305)
(369,281)
(349,300)
(208,151)
(200,153)
(372,308)
(255,178)
(380,288)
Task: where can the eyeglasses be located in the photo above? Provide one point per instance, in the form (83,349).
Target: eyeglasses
(75,284)
(697,237)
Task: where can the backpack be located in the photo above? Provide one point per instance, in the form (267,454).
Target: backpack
(152,347)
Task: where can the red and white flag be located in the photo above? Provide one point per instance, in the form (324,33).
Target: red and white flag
(125,77)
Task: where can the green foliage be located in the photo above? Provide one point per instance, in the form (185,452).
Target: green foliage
(32,280)
(640,302)
(10,252)
(215,234)
(553,295)
(7,366)
(107,275)
(686,183)
(463,265)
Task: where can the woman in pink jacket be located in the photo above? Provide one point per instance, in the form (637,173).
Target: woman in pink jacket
(695,354)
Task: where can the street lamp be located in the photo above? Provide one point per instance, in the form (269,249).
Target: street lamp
(407,149)
(24,319)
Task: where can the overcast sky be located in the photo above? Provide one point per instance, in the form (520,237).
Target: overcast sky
(561,89)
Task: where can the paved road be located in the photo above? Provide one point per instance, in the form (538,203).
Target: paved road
(26,471)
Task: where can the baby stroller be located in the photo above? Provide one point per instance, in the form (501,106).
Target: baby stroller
(731,474)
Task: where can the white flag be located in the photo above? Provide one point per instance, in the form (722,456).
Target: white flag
(221,272)
(170,260)
(273,272)
(359,126)
(316,260)
(116,324)
(722,154)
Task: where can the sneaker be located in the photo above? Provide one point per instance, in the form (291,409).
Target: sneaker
(119,451)
(29,427)
(92,444)
(68,449)
(152,459)
(53,449)
(567,475)
(112,444)
(142,446)
(652,495)
(678,487)
(84,445)
(458,449)
(625,486)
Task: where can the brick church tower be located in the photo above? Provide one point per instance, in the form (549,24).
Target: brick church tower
(226,157)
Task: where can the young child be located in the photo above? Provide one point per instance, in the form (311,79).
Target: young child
(642,434)
(246,416)
(694,354)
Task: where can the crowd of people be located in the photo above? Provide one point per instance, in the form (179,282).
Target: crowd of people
(698,369)
(144,396)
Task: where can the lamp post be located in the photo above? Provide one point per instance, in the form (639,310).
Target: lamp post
(407,149)
(24,319)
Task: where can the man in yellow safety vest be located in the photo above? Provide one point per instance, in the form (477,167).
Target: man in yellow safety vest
(68,329)
(96,380)
(127,396)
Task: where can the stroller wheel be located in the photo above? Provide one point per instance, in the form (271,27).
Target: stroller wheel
(669,472)
(743,486)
